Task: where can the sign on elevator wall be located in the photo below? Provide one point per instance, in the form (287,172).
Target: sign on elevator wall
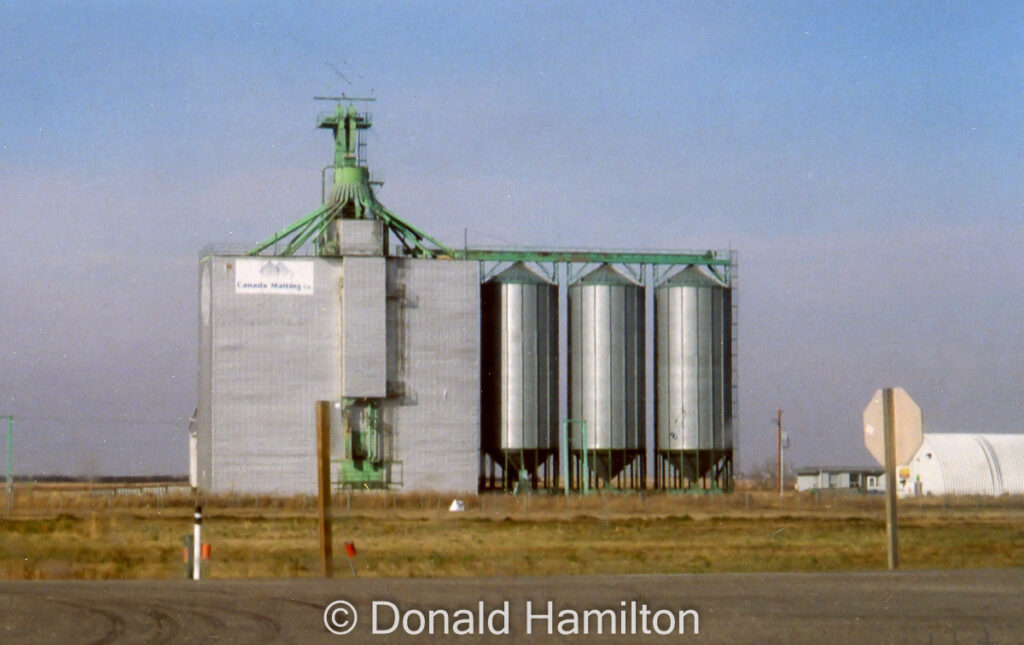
(273,275)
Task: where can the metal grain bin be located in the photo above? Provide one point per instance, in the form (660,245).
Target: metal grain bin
(693,383)
(607,386)
(519,344)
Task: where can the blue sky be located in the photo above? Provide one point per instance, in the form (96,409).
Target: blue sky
(865,159)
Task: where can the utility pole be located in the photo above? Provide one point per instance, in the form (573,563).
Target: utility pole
(778,430)
(10,451)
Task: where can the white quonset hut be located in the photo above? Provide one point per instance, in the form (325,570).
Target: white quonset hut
(965,464)
(942,463)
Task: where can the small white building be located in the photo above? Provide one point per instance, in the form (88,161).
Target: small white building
(965,464)
(863,479)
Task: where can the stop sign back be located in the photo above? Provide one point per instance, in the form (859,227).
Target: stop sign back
(907,422)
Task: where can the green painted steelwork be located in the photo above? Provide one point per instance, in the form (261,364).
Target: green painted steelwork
(365,463)
(351,197)
(710,258)
(312,219)
(586,467)
(346,125)
(720,264)
(585,475)
(564,456)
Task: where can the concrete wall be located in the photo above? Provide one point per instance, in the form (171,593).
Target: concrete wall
(363,328)
(203,408)
(434,359)
(271,356)
(409,329)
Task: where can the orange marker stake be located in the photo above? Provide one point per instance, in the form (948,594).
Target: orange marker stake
(350,551)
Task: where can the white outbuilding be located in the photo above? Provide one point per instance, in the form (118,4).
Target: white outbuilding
(965,464)
(866,480)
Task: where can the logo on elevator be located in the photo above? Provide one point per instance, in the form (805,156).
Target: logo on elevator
(272,276)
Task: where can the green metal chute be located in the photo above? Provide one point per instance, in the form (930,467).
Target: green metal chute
(351,197)
(292,232)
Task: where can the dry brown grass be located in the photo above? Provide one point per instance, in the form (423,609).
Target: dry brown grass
(68,533)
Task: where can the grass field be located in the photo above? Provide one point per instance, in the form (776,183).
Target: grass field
(67,532)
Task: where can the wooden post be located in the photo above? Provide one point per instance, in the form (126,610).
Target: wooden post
(323,454)
(890,479)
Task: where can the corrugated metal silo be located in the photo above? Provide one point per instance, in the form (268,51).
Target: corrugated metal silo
(607,383)
(519,369)
(693,381)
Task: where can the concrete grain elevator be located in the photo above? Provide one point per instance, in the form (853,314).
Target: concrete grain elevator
(457,369)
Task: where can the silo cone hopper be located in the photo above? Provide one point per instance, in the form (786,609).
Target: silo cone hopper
(607,464)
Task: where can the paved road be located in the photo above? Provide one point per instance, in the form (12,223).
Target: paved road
(905,608)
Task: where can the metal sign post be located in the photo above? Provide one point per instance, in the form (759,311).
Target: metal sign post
(197,542)
(890,479)
(893,431)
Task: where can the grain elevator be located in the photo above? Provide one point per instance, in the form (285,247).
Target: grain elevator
(457,369)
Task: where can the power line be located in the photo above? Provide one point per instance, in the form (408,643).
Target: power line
(179,421)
